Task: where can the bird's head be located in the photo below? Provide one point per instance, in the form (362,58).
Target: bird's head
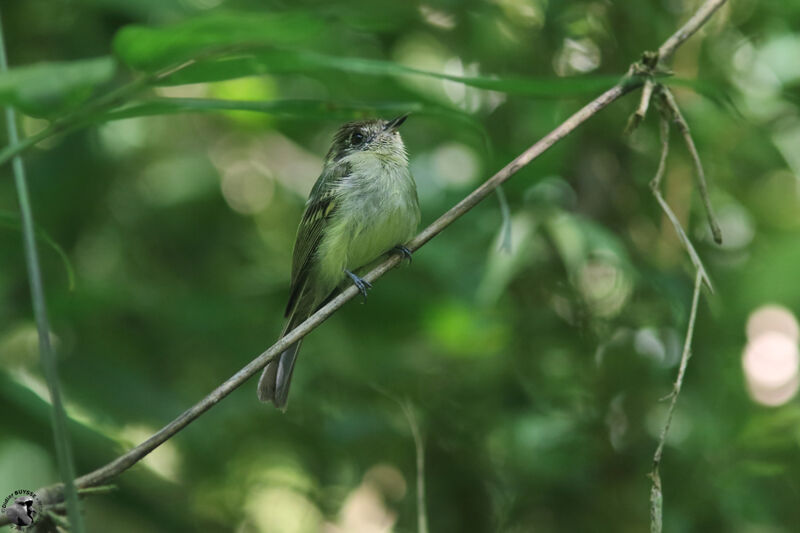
(376,137)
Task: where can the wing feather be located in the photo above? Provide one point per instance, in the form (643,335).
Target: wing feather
(321,206)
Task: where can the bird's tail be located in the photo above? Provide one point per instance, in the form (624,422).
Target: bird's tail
(273,386)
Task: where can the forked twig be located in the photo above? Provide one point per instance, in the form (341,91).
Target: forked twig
(644,103)
(672,106)
(655,187)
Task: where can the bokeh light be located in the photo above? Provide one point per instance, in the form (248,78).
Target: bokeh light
(577,57)
(438,18)
(282,510)
(772,318)
(365,510)
(247,189)
(771,359)
(455,164)
(604,286)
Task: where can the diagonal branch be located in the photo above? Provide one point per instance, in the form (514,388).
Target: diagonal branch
(128,459)
(691,26)
(105,473)
(627,84)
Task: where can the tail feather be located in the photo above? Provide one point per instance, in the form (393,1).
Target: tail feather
(277,376)
(273,386)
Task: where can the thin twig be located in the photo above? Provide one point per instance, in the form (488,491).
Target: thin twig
(691,26)
(654,186)
(644,102)
(134,455)
(683,127)
(663,130)
(58,521)
(64,458)
(125,461)
(88,491)
(419,448)
(652,62)
(656,497)
(687,244)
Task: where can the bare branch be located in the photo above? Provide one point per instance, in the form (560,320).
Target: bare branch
(656,497)
(683,127)
(696,21)
(128,459)
(104,474)
(125,461)
(652,62)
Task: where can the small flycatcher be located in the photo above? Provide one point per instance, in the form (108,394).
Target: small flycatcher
(363,205)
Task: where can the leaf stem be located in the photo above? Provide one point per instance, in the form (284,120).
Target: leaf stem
(58,415)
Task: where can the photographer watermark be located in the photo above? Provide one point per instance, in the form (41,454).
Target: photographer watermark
(22,507)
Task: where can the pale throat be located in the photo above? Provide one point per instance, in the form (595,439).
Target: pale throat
(377,164)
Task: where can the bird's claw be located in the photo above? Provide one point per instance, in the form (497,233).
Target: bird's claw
(362,284)
(402,250)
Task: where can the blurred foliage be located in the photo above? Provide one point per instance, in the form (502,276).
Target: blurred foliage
(535,370)
(53,87)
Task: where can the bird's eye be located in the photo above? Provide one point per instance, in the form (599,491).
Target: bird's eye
(357,138)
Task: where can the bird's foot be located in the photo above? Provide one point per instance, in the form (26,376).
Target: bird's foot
(362,284)
(402,250)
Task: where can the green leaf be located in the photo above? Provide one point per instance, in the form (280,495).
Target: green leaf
(228,46)
(297,109)
(292,62)
(152,49)
(47,89)
(312,109)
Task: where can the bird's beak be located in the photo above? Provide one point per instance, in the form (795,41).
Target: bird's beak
(395,122)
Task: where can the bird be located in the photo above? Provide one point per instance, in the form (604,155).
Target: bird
(22,512)
(363,206)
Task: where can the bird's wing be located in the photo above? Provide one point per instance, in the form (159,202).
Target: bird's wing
(321,205)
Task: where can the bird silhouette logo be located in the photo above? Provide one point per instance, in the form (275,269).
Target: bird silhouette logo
(23,511)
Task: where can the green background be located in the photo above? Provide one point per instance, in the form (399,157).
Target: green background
(534,360)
